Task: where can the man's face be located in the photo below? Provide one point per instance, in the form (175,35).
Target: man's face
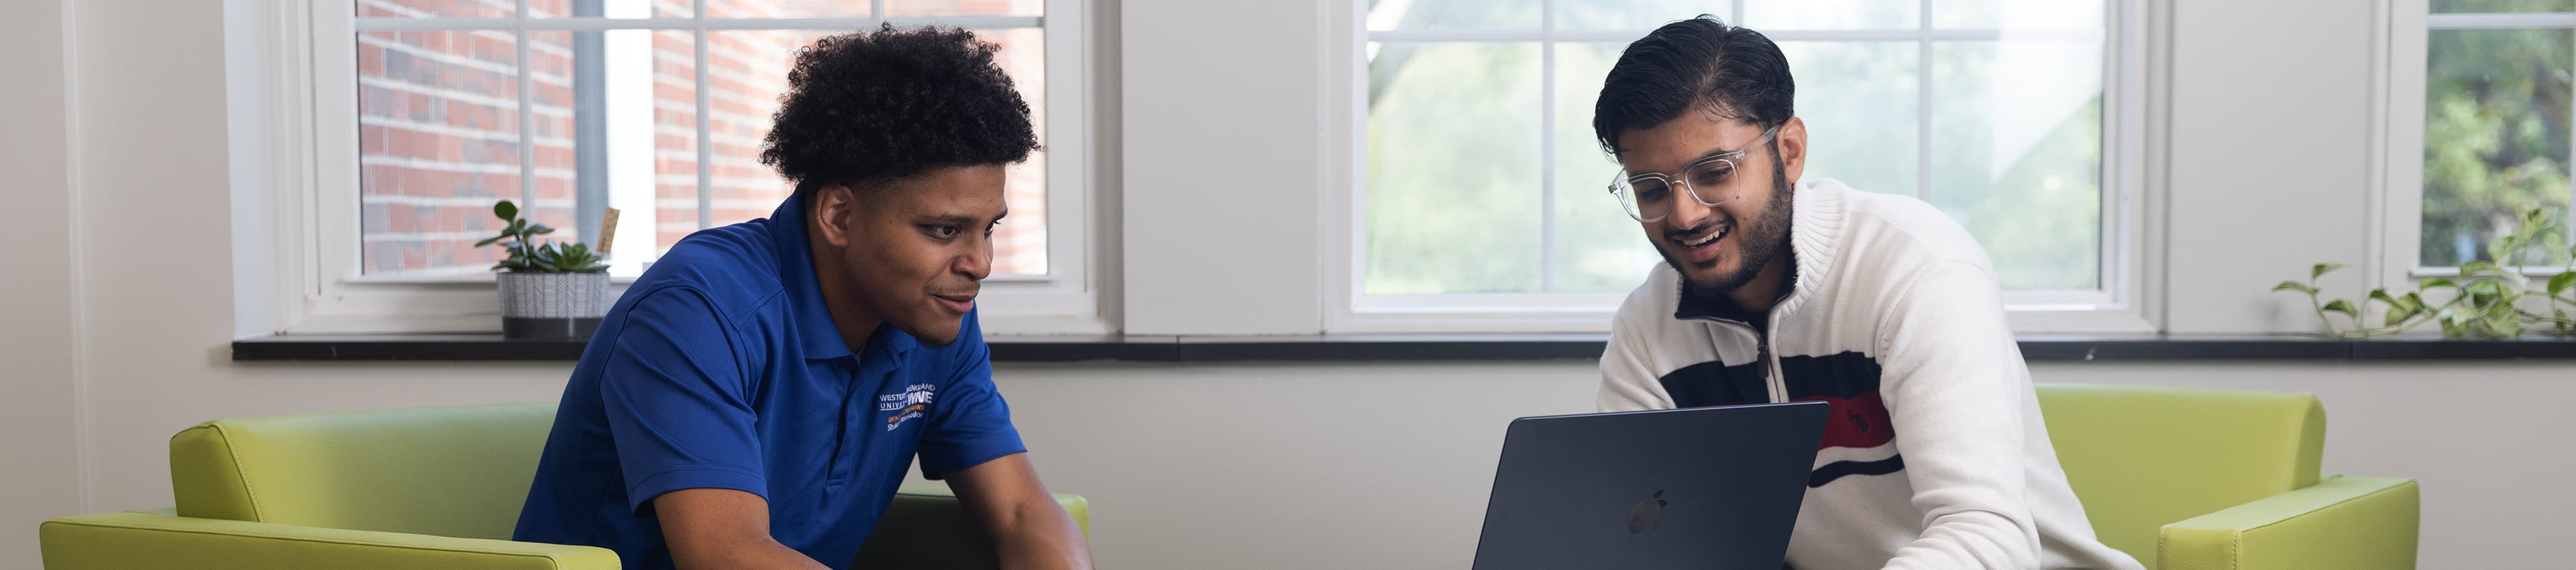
(916,252)
(1718,249)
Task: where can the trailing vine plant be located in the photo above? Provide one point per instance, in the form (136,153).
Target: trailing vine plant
(2489,299)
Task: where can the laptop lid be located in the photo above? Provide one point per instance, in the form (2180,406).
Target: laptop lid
(1699,488)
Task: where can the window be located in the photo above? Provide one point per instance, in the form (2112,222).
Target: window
(571,107)
(400,122)
(2496,122)
(1481,185)
(392,125)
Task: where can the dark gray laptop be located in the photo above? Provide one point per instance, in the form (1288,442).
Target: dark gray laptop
(1699,488)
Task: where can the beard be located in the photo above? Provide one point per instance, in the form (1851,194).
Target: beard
(1767,238)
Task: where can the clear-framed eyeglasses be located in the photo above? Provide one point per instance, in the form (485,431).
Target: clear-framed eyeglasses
(1649,197)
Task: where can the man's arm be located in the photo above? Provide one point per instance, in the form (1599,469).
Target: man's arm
(723,529)
(1030,529)
(1955,385)
(1627,382)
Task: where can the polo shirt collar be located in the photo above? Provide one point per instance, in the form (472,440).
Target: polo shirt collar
(823,340)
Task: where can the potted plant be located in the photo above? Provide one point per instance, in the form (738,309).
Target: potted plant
(2492,298)
(548,290)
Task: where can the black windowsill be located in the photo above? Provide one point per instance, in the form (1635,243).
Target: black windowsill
(2037,348)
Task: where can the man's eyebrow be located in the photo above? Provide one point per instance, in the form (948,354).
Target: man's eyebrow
(1703,157)
(959,219)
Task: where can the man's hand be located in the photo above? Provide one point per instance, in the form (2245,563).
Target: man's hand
(710,529)
(1030,529)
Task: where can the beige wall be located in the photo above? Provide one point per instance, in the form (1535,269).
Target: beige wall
(39,401)
(119,318)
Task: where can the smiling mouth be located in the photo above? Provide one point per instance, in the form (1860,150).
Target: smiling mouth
(1707,238)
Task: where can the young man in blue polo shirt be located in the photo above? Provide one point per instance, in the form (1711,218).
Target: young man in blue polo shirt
(754,399)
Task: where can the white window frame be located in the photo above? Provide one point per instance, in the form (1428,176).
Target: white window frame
(307,113)
(2133,77)
(2396,259)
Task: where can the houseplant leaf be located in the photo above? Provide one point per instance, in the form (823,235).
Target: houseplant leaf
(2429,284)
(2561,282)
(2295,286)
(2345,307)
(2381,295)
(2501,249)
(505,210)
(2413,305)
(2322,268)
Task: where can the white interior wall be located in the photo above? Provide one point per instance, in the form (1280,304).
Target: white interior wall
(39,399)
(121,325)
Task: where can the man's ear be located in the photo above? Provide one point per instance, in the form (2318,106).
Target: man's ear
(1793,149)
(832,209)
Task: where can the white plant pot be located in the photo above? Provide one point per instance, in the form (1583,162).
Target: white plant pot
(552,305)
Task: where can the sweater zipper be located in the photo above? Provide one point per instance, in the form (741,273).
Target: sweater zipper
(1773,388)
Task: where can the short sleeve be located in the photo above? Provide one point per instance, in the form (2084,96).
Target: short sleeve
(969,423)
(678,401)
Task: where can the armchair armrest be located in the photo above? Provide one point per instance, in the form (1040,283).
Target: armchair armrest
(146,540)
(925,527)
(2356,523)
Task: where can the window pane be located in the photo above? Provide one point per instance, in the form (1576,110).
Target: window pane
(1020,244)
(2475,6)
(1859,101)
(2019,159)
(1632,15)
(2495,136)
(437,8)
(748,72)
(438,138)
(1598,248)
(787,9)
(901,8)
(1453,148)
(1452,14)
(636,116)
(1769,15)
(550,90)
(2069,15)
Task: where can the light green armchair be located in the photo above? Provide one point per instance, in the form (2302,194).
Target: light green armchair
(426,488)
(2222,479)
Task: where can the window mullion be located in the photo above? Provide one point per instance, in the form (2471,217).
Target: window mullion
(706,146)
(1923,106)
(527,116)
(1547,146)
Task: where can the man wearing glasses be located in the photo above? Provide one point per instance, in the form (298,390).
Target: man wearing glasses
(1778,289)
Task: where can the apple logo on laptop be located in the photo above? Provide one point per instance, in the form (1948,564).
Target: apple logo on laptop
(1647,515)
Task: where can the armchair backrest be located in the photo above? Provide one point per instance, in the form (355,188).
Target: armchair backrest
(460,471)
(2140,458)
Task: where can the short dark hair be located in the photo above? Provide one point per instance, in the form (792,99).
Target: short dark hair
(867,107)
(1695,64)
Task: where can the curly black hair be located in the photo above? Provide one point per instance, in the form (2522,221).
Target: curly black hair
(868,107)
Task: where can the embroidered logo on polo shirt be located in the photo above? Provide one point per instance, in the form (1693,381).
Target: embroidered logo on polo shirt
(903,406)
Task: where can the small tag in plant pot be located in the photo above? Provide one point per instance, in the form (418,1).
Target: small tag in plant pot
(607,232)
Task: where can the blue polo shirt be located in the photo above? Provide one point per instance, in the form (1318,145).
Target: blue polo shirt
(720,368)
